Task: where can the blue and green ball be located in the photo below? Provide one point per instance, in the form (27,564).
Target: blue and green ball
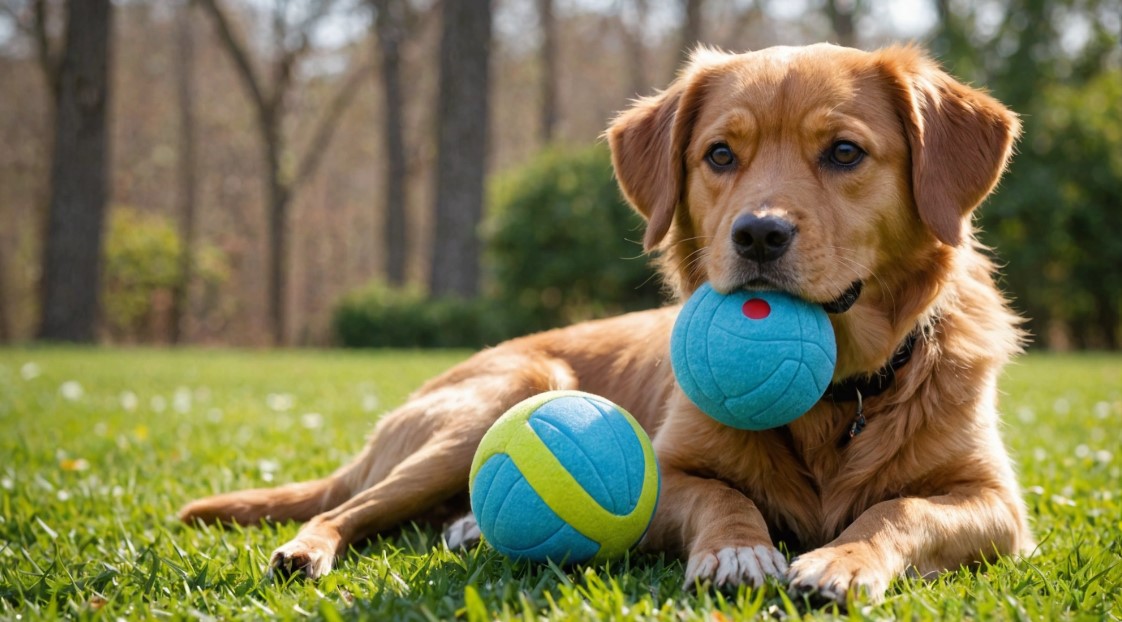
(565,476)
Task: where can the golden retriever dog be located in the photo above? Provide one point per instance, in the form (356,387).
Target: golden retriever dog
(845,177)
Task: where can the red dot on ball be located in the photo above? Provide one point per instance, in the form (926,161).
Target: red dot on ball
(756,309)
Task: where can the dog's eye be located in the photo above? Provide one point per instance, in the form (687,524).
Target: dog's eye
(720,156)
(845,154)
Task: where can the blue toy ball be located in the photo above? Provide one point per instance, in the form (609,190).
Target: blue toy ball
(566,476)
(752,360)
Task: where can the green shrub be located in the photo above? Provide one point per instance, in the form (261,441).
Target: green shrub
(142,270)
(562,246)
(141,261)
(379,316)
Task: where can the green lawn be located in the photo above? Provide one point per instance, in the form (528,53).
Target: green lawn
(100,447)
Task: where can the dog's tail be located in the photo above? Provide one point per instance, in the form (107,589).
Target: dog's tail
(299,502)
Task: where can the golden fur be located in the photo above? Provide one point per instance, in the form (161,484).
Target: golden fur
(926,487)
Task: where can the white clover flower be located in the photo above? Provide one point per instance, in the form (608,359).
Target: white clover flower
(181,401)
(280,402)
(1102,410)
(311,420)
(71,390)
(268,468)
(30,370)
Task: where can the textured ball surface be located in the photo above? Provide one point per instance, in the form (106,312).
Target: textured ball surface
(566,476)
(752,360)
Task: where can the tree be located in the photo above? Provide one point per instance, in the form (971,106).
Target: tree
(5,323)
(691,28)
(79,177)
(461,146)
(48,59)
(634,40)
(268,100)
(548,58)
(1054,218)
(187,173)
(390,17)
(842,14)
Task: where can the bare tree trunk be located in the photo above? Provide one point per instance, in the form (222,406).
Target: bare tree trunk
(548,57)
(462,146)
(5,324)
(691,27)
(842,15)
(268,102)
(48,59)
(636,50)
(389,23)
(185,89)
(1107,317)
(277,195)
(79,177)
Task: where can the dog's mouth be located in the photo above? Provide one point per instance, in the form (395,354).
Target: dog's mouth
(838,305)
(845,302)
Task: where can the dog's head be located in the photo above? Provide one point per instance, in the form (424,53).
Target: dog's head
(819,171)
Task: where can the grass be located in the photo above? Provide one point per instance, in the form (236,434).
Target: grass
(100,447)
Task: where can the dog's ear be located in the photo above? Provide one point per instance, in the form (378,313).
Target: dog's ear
(648,143)
(960,140)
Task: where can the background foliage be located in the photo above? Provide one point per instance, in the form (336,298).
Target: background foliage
(1059,65)
(1056,62)
(561,247)
(143,268)
(141,262)
(562,244)
(378,316)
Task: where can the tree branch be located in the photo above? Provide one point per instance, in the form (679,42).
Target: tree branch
(239,55)
(287,58)
(48,61)
(17,19)
(322,8)
(328,122)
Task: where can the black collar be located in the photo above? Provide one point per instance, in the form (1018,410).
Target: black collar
(867,386)
(849,297)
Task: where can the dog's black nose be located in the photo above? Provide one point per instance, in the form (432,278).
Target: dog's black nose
(762,239)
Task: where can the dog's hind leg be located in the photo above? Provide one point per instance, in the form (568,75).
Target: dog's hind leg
(467,398)
(299,502)
(397,436)
(420,455)
(435,473)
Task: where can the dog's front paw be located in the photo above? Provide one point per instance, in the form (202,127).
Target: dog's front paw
(834,572)
(309,554)
(735,565)
(463,533)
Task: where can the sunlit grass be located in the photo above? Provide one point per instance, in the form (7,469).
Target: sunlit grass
(100,447)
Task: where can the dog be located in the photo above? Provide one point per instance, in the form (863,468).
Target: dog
(844,177)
